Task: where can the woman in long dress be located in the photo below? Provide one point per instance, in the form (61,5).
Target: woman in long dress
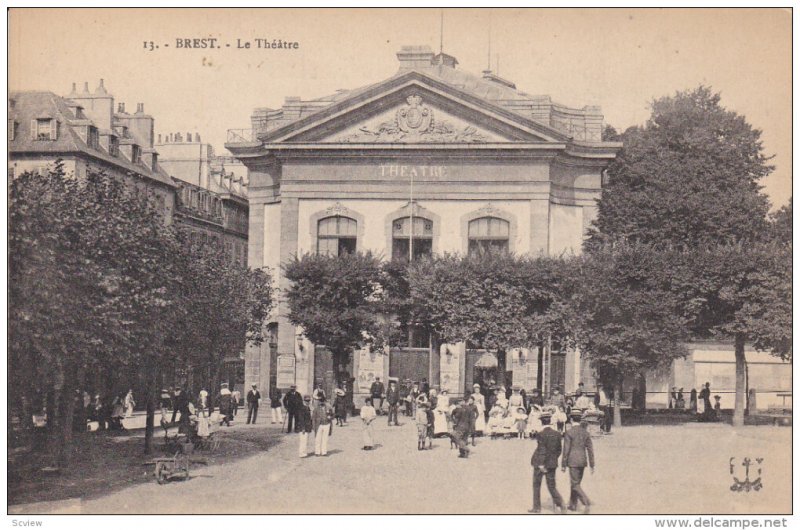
(368,415)
(480,421)
(440,415)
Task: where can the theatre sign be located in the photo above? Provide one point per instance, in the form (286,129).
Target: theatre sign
(454,160)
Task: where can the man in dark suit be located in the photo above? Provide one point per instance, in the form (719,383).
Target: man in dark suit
(545,463)
(253,400)
(292,401)
(577,445)
(463,421)
(376,391)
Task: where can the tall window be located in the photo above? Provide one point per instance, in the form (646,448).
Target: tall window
(488,234)
(336,235)
(45,129)
(422,242)
(93,137)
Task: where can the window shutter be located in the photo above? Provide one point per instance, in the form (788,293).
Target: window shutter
(54,130)
(34,130)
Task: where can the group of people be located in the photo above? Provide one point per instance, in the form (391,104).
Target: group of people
(108,413)
(699,403)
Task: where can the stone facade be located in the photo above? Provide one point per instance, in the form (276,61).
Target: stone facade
(445,147)
(211,198)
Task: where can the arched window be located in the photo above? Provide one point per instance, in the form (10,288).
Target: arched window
(421,243)
(488,234)
(336,235)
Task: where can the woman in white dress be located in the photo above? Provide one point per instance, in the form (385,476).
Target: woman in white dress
(480,421)
(440,415)
(368,416)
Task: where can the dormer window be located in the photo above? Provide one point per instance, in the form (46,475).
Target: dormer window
(113,146)
(136,154)
(44,129)
(93,137)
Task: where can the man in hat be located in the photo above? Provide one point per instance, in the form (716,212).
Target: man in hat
(306,426)
(545,462)
(577,445)
(321,421)
(393,398)
(376,391)
(225,405)
(292,401)
(462,425)
(340,407)
(253,398)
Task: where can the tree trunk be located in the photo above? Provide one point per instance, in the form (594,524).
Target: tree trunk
(741,381)
(434,367)
(66,411)
(618,403)
(150,390)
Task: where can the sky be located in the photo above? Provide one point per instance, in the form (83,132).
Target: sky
(620,59)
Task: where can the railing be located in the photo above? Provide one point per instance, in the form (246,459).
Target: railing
(236,136)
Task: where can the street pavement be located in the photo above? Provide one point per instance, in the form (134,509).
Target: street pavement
(640,470)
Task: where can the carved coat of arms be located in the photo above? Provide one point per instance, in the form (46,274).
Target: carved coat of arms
(415,117)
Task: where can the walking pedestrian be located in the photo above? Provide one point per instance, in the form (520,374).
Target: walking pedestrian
(275,405)
(292,401)
(253,399)
(225,407)
(340,407)
(368,416)
(235,397)
(423,425)
(318,394)
(376,391)
(321,419)
(604,402)
(117,413)
(577,446)
(545,462)
(393,399)
(462,425)
(129,403)
(306,426)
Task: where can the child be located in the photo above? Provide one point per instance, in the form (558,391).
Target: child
(717,408)
(521,422)
(422,424)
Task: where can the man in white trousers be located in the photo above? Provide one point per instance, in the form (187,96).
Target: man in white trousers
(321,420)
(306,425)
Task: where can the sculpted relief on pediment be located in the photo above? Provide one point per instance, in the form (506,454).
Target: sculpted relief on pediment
(416,122)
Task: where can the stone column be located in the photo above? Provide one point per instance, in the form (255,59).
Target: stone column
(287,341)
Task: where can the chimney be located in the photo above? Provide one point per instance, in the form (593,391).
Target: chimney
(86,88)
(140,108)
(443,59)
(121,108)
(74,90)
(415,57)
(189,137)
(101,89)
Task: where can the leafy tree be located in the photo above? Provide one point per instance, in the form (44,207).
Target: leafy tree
(336,300)
(781,224)
(628,318)
(689,177)
(89,284)
(494,300)
(740,291)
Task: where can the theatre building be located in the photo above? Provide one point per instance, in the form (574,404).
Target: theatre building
(454,161)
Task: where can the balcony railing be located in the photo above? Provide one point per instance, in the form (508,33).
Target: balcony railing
(236,136)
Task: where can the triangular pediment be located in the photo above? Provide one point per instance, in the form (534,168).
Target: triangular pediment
(414,109)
